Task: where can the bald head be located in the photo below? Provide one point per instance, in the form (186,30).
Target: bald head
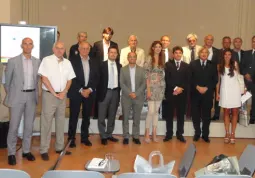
(132,58)
(165,40)
(59,49)
(208,40)
(27,46)
(132,41)
(84,49)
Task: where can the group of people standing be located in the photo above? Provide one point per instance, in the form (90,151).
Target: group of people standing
(101,76)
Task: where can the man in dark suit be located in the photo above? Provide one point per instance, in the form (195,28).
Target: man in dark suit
(165,40)
(100,48)
(248,70)
(74,51)
(108,95)
(100,53)
(226,44)
(82,91)
(177,77)
(237,42)
(203,81)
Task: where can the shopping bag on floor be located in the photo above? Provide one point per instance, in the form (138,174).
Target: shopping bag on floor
(227,166)
(244,118)
(143,166)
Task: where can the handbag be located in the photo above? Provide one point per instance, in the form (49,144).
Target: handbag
(240,79)
(244,119)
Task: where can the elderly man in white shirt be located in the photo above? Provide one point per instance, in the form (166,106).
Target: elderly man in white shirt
(57,74)
(190,52)
(132,47)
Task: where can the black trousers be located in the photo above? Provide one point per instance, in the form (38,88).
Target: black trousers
(177,103)
(201,110)
(252,113)
(216,106)
(75,105)
(165,107)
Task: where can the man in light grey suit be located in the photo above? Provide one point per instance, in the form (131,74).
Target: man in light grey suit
(132,83)
(21,85)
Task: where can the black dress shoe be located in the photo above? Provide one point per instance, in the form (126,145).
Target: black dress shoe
(206,139)
(12,160)
(72,144)
(252,121)
(29,156)
(67,152)
(181,138)
(196,138)
(45,156)
(113,139)
(167,138)
(104,141)
(136,141)
(215,118)
(86,142)
(125,141)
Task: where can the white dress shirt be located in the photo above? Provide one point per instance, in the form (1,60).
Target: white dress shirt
(124,53)
(210,53)
(58,73)
(132,77)
(166,55)
(186,57)
(86,69)
(176,63)
(201,62)
(28,73)
(112,81)
(106,46)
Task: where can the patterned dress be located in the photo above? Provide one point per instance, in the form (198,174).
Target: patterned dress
(156,75)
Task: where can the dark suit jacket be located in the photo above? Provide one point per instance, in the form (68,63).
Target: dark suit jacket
(75,52)
(241,60)
(98,51)
(174,77)
(207,77)
(79,81)
(248,67)
(215,58)
(103,82)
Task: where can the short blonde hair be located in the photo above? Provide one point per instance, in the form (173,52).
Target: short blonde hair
(191,35)
(203,49)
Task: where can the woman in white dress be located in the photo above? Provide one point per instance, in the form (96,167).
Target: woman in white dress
(229,93)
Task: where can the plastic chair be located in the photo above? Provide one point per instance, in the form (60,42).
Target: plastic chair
(187,161)
(72,174)
(145,175)
(225,176)
(11,173)
(247,161)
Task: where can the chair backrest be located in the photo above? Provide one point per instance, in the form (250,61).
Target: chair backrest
(11,173)
(224,176)
(143,175)
(72,174)
(187,161)
(247,161)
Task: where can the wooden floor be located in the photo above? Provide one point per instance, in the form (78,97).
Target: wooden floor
(172,150)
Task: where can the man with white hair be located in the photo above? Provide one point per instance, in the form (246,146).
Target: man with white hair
(132,47)
(57,74)
(190,52)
